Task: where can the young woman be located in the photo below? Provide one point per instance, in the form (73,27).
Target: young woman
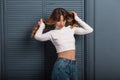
(65,26)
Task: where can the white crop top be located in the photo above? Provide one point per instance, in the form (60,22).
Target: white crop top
(63,38)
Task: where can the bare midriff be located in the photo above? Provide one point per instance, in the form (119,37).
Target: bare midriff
(69,54)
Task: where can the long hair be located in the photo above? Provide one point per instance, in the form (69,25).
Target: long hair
(54,17)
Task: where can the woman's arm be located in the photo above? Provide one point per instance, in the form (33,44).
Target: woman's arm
(85,29)
(40,35)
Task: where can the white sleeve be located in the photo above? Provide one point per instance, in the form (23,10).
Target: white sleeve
(42,36)
(85,29)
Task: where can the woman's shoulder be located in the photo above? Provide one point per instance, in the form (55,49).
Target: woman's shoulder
(52,31)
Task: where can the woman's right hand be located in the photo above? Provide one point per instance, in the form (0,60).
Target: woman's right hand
(40,21)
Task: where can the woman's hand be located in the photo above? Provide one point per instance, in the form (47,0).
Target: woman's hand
(75,14)
(40,21)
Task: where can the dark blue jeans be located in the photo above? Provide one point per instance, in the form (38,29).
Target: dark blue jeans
(64,69)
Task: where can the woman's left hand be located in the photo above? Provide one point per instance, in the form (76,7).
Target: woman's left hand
(75,14)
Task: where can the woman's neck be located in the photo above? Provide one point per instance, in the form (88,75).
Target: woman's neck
(59,27)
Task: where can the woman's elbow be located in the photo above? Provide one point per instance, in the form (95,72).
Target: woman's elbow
(90,31)
(37,38)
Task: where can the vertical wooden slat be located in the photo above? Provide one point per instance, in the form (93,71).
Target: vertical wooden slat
(0,36)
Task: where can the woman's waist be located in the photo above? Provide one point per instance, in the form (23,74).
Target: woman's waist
(69,54)
(64,48)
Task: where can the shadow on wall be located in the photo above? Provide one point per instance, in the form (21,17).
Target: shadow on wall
(49,55)
(50,58)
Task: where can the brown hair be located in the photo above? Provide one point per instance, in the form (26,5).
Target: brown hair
(54,17)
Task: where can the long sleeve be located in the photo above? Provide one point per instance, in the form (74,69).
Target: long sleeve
(42,36)
(85,29)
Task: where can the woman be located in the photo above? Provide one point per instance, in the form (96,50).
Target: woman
(66,25)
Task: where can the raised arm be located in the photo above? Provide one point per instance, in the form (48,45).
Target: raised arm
(40,35)
(85,29)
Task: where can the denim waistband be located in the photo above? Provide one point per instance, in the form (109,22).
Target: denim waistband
(66,60)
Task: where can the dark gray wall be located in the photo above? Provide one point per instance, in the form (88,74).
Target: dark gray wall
(107,40)
(104,55)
